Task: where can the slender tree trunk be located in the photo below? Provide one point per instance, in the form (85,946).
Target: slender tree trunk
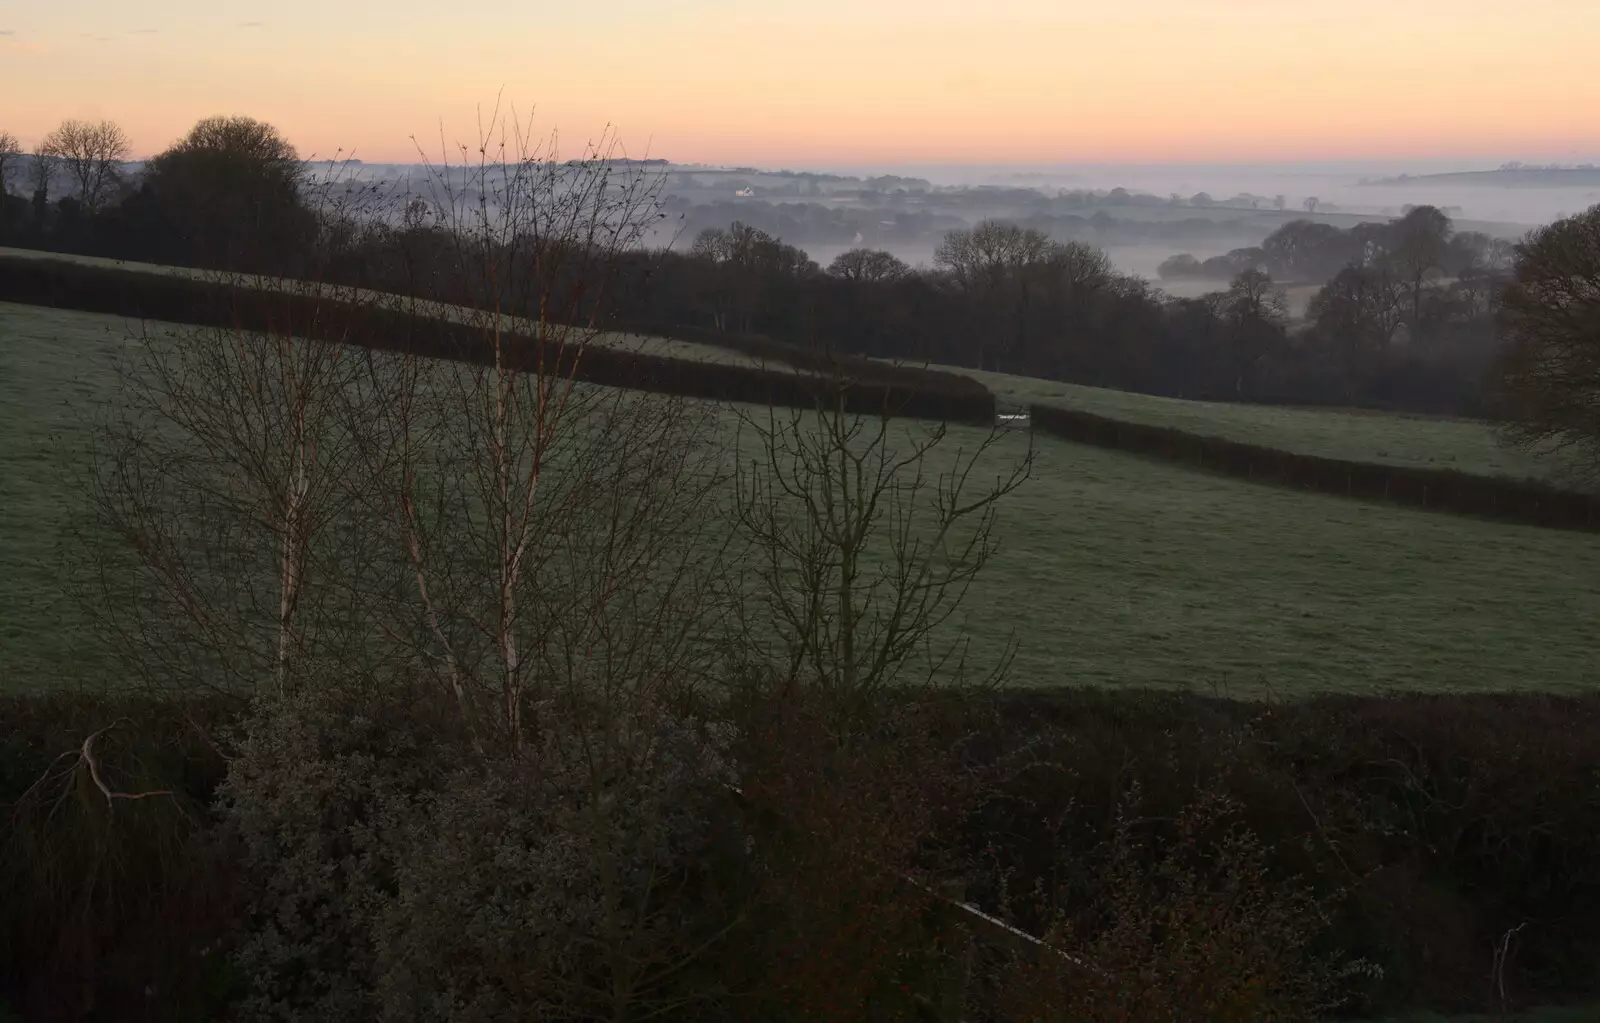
(510,664)
(291,548)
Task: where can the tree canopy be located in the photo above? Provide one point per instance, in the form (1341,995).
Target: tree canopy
(1550,315)
(227,194)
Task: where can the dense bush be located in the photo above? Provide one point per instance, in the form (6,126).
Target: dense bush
(392,874)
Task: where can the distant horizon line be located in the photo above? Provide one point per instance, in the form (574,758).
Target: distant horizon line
(1487,162)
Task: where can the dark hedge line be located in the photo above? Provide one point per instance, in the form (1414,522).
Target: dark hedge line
(851,367)
(1524,501)
(176,299)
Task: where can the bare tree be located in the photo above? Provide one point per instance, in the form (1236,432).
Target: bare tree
(744,260)
(557,543)
(867,265)
(1256,313)
(10,156)
(866,532)
(1420,244)
(996,263)
(41,175)
(301,517)
(1358,312)
(92,153)
(985,255)
(227,475)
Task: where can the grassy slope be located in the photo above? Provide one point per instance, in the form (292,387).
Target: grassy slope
(1114,570)
(1429,442)
(55,367)
(1390,439)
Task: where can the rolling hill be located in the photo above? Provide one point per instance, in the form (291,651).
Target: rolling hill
(1112,570)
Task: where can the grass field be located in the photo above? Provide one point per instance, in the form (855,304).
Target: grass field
(1113,570)
(1385,438)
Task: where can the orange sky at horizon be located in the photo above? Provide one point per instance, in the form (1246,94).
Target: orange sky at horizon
(877,81)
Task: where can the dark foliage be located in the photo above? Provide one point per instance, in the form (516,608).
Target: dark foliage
(1449,839)
(110,908)
(1525,501)
(1453,825)
(1546,385)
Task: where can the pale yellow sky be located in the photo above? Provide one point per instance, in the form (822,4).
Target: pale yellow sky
(867,81)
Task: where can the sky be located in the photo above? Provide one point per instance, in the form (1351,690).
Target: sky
(829,82)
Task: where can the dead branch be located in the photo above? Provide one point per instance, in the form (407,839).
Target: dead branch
(87,758)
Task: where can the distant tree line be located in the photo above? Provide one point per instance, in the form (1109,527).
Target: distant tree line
(1311,252)
(1006,297)
(902,219)
(1405,318)
(230,194)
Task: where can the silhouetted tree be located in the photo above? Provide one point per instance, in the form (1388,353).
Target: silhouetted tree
(1420,244)
(988,263)
(1357,314)
(1549,381)
(744,263)
(870,265)
(228,194)
(1256,314)
(1179,267)
(10,157)
(1305,250)
(92,152)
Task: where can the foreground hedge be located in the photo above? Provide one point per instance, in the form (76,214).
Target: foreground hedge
(1454,825)
(1525,501)
(190,300)
(1456,833)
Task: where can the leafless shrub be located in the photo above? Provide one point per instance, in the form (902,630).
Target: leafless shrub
(1190,926)
(866,532)
(99,857)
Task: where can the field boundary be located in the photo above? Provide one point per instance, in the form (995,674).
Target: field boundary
(1528,502)
(859,368)
(303,310)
